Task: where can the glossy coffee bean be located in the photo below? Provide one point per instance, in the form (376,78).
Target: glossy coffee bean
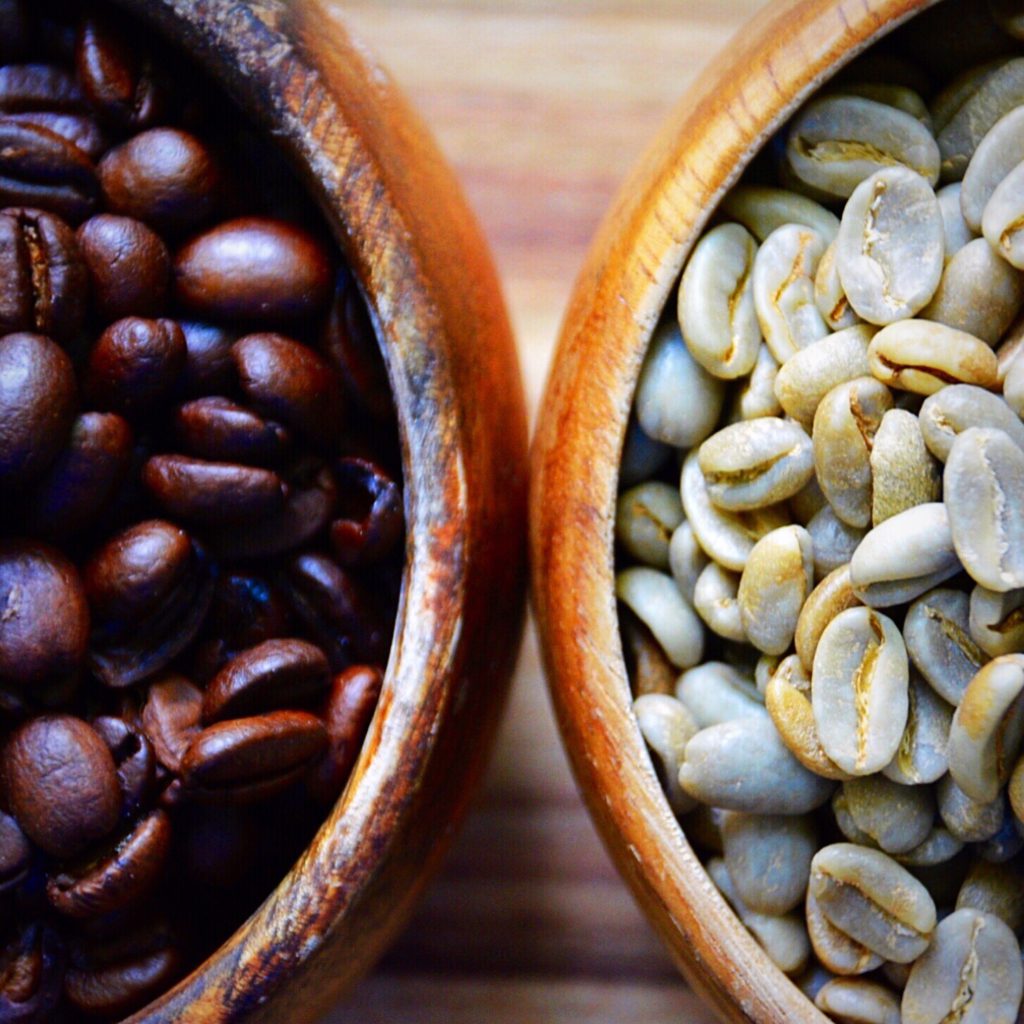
(212,492)
(39,168)
(217,428)
(15,853)
(372,519)
(44,622)
(253,268)
(120,879)
(347,713)
(247,610)
(61,783)
(133,757)
(251,758)
(171,718)
(112,990)
(135,364)
(209,366)
(33,969)
(129,266)
(275,674)
(117,78)
(290,383)
(44,283)
(30,87)
(37,405)
(82,130)
(165,177)
(81,482)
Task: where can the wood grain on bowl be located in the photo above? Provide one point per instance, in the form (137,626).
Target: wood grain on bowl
(785,53)
(418,254)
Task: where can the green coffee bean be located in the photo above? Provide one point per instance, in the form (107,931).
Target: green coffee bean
(829,296)
(903,471)
(996,621)
(762,209)
(755,396)
(940,847)
(949,412)
(1013,386)
(921,756)
(857,1001)
(956,231)
(834,594)
(667,726)
(996,889)
(646,517)
(834,541)
(650,671)
(714,600)
(1003,221)
(642,456)
(896,817)
(655,599)
(998,153)
(971,821)
(1009,16)
(835,949)
(715,692)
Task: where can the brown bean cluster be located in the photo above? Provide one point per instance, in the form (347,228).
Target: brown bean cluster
(201,517)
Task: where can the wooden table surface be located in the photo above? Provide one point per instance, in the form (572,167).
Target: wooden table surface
(541,106)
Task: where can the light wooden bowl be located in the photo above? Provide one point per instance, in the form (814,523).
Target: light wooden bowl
(747,93)
(433,293)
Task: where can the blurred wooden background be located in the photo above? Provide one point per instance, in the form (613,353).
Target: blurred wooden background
(541,106)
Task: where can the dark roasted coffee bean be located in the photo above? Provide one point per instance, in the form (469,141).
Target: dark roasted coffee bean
(39,168)
(171,718)
(44,619)
(217,428)
(306,512)
(347,713)
(334,610)
(252,758)
(15,853)
(134,759)
(372,519)
(117,77)
(37,405)
(80,129)
(129,266)
(31,971)
(253,268)
(135,364)
(275,674)
(135,572)
(209,366)
(165,177)
(119,879)
(247,610)
(43,281)
(350,343)
(212,492)
(61,783)
(82,481)
(289,382)
(38,87)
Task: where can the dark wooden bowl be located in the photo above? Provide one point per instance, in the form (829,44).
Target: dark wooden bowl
(746,94)
(433,293)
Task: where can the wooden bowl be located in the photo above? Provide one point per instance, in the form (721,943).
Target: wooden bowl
(747,93)
(410,239)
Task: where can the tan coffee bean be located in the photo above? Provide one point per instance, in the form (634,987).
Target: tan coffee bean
(970,821)
(904,557)
(868,896)
(971,973)
(979,294)
(784,272)
(714,600)
(829,296)
(1013,387)
(762,209)
(834,594)
(891,246)
(856,1001)
(988,728)
(1015,790)
(1011,346)
(949,412)
(646,517)
(649,669)
(895,817)
(807,376)
(996,621)
(859,691)
(923,357)
(807,502)
(844,429)
(837,141)
(716,302)
(776,580)
(1004,217)
(903,471)
(835,949)
(949,100)
(667,726)
(983,482)
(655,599)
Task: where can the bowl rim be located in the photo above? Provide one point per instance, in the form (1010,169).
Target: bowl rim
(776,61)
(398,216)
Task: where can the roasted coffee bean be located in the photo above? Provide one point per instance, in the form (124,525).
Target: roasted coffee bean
(81,482)
(252,268)
(171,718)
(217,428)
(168,178)
(209,367)
(31,973)
(247,610)
(15,853)
(37,405)
(347,712)
(82,130)
(135,365)
(199,491)
(371,521)
(118,79)
(25,87)
(44,625)
(251,758)
(61,782)
(129,266)
(43,275)
(274,674)
(134,758)
(39,168)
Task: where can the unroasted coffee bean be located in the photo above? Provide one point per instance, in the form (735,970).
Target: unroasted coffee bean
(165,177)
(129,266)
(61,782)
(253,269)
(37,405)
